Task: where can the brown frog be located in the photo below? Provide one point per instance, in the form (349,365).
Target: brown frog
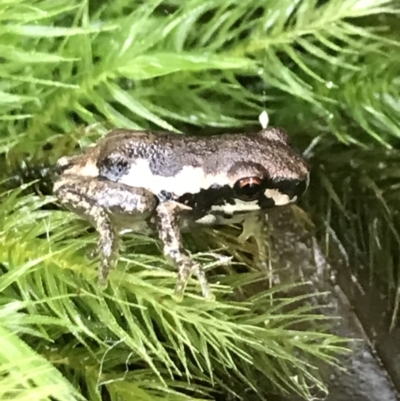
(146,181)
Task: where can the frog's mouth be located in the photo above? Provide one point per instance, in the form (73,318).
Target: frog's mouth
(283,192)
(224,200)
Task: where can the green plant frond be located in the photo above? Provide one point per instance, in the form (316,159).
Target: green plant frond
(51,278)
(27,375)
(104,66)
(115,373)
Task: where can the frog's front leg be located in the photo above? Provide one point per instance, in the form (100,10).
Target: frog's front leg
(169,216)
(96,200)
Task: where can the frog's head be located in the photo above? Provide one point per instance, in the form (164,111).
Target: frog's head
(247,173)
(274,175)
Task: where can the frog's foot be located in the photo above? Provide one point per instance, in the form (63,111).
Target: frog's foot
(186,267)
(220,260)
(201,276)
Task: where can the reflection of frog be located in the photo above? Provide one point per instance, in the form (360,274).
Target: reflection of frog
(136,180)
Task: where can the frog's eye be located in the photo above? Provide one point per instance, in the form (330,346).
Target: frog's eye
(248,189)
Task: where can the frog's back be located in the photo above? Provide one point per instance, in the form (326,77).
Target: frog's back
(168,153)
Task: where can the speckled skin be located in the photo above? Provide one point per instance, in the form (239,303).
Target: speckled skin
(101,185)
(267,151)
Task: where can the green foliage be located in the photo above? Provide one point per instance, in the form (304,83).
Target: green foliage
(51,298)
(154,63)
(325,68)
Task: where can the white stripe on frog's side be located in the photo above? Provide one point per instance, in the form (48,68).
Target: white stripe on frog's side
(188,180)
(241,206)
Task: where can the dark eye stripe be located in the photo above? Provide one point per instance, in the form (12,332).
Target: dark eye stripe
(291,188)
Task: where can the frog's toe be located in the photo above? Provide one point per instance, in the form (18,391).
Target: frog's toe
(184,274)
(178,295)
(220,260)
(179,290)
(202,278)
